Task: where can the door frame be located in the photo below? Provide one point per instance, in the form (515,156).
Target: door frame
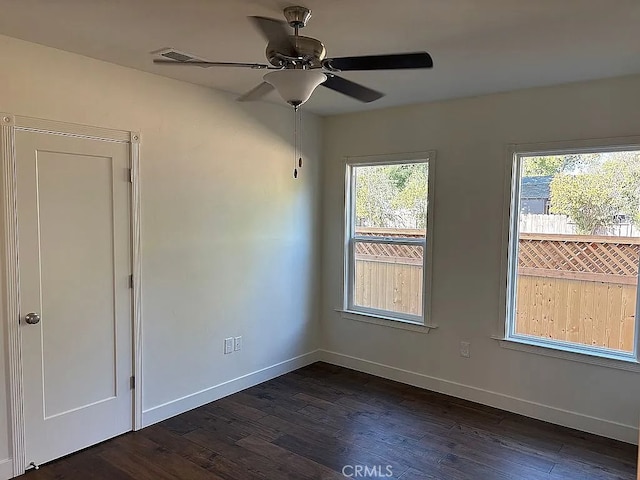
(9,124)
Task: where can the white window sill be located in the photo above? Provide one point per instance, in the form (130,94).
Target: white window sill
(567,353)
(386,321)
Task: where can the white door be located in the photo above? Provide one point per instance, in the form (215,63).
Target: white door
(75,260)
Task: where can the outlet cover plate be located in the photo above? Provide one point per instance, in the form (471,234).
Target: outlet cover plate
(465,349)
(228,345)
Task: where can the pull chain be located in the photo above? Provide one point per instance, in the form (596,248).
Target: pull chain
(300,137)
(296,141)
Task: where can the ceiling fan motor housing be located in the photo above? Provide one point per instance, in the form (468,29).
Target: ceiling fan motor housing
(310,52)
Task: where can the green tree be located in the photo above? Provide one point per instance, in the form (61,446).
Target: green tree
(590,200)
(607,185)
(413,196)
(400,174)
(542,166)
(626,173)
(549,165)
(374,197)
(391,196)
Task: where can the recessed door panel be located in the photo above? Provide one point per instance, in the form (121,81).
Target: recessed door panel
(75,204)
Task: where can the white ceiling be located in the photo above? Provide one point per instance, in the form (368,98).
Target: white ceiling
(478,46)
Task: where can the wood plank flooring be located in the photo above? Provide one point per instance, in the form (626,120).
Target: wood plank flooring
(323,420)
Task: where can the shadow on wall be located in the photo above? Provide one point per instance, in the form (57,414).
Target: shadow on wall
(263,113)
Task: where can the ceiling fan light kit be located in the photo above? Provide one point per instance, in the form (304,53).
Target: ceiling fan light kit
(295,86)
(300,65)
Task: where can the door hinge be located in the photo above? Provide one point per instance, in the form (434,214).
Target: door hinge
(132,382)
(131,281)
(131,175)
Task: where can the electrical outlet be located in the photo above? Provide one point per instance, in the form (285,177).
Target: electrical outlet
(237,344)
(228,345)
(465,349)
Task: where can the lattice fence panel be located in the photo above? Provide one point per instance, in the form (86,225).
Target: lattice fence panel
(397,253)
(386,250)
(609,256)
(585,256)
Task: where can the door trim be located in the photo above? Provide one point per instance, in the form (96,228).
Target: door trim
(12,294)
(9,124)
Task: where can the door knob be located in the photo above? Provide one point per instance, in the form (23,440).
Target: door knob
(32,318)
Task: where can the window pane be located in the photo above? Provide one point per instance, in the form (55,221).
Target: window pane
(578,248)
(391,200)
(388,277)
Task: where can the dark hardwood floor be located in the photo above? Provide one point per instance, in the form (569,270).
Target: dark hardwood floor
(322,420)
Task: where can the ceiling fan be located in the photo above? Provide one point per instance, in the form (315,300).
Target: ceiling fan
(300,63)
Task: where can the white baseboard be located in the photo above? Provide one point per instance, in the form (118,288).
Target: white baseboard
(578,421)
(6,469)
(189,402)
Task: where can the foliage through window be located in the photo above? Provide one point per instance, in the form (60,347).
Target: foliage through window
(575,247)
(387,232)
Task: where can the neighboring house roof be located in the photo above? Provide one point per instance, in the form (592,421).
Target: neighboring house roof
(535,187)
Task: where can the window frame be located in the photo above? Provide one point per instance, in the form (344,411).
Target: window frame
(350,239)
(506,326)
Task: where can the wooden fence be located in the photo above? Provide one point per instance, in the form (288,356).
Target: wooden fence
(561,224)
(539,223)
(578,311)
(573,288)
(389,277)
(391,286)
(578,289)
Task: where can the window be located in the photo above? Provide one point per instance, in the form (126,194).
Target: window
(387,226)
(573,267)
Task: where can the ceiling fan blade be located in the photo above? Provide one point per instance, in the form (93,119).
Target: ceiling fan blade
(202,63)
(380,62)
(276,33)
(256,93)
(351,89)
